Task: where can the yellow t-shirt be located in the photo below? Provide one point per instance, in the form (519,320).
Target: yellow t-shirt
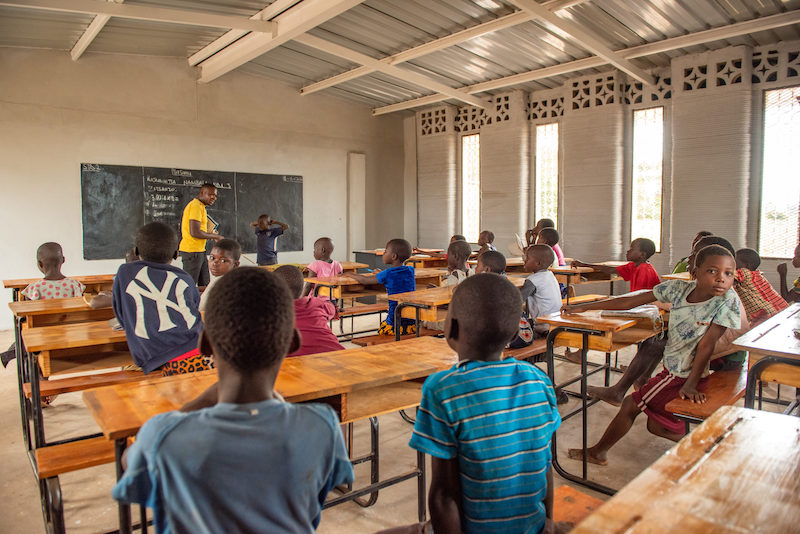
(194,211)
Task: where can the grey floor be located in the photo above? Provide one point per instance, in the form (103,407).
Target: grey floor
(89,507)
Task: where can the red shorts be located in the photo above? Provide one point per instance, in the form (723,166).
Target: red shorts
(653,397)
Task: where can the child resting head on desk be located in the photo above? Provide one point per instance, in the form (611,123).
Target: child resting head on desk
(224,257)
(157,305)
(311,315)
(398,278)
(491,262)
(486,422)
(683,264)
(702,310)
(250,462)
(540,292)
(637,271)
(790,294)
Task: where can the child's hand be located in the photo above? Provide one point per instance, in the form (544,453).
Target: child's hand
(573,309)
(782,269)
(691,393)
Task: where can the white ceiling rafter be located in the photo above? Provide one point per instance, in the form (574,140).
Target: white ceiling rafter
(90,33)
(585,39)
(155,14)
(692,39)
(498,24)
(291,24)
(268,13)
(396,72)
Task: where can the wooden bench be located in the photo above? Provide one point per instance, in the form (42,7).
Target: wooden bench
(80,383)
(571,506)
(529,353)
(723,388)
(366,309)
(378,339)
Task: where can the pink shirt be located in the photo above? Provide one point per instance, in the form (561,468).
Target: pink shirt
(323,268)
(311,316)
(559,255)
(53,289)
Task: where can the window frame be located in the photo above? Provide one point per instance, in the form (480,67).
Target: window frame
(661,240)
(461,188)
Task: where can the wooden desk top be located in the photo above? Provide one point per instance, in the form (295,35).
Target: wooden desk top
(346,266)
(677,276)
(510,262)
(775,336)
(381,251)
(566,269)
(737,472)
(347,281)
(71,336)
(120,410)
(589,319)
(26,308)
(438,296)
(94,279)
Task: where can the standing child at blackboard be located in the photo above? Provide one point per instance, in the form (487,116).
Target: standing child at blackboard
(266,235)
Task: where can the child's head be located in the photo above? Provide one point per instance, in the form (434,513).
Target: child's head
(548,236)
(263,221)
(323,247)
(485,237)
(397,251)
(157,242)
(700,235)
(544,223)
(224,256)
(293,278)
(131,255)
(457,237)
(207,194)
(796,258)
(49,256)
(487,332)
(538,258)
(491,261)
(249,322)
(704,242)
(714,269)
(747,258)
(641,249)
(457,254)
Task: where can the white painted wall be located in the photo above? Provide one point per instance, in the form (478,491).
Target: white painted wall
(134,110)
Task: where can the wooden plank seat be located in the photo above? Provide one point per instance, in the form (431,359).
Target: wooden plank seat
(378,339)
(80,383)
(723,388)
(572,506)
(529,353)
(366,309)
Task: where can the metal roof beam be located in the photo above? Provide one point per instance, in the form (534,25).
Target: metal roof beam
(391,70)
(89,34)
(292,23)
(692,39)
(498,24)
(584,38)
(268,13)
(155,14)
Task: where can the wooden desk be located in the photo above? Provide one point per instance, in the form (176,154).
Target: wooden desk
(349,380)
(423,261)
(94,283)
(677,276)
(39,313)
(344,287)
(774,351)
(513,265)
(736,472)
(585,275)
(347,266)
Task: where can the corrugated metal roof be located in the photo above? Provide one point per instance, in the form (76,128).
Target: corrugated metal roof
(380,28)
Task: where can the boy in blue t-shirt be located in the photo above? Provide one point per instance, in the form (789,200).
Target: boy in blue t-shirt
(266,236)
(398,278)
(487,422)
(251,462)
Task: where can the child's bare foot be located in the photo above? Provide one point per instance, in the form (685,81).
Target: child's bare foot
(591,456)
(605,394)
(573,355)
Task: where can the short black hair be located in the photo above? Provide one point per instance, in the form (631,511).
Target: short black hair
(293,278)
(546,223)
(157,242)
(327,239)
(749,258)
(647,246)
(500,306)
(489,235)
(249,319)
(401,247)
(711,250)
(701,234)
(550,236)
(50,253)
(494,260)
(459,250)
(208,185)
(130,255)
(543,253)
(458,237)
(714,240)
(231,246)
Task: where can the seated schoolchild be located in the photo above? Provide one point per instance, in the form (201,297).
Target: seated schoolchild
(486,241)
(311,315)
(398,278)
(790,294)
(683,264)
(457,269)
(758,296)
(550,237)
(224,257)
(322,265)
(486,422)
(250,462)
(637,271)
(104,299)
(701,311)
(491,262)
(54,285)
(540,292)
(532,235)
(157,305)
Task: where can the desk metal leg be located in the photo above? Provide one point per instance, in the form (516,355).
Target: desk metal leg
(24,407)
(124,509)
(36,400)
(754,376)
(421,483)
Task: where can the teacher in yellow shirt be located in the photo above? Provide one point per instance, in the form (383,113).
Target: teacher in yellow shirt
(194,233)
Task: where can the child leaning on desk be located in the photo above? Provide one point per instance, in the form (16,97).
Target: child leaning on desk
(398,278)
(702,310)
(487,422)
(637,271)
(249,462)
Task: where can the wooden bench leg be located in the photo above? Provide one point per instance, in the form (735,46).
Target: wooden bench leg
(373,458)
(52,505)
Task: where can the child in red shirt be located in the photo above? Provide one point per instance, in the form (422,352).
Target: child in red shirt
(637,271)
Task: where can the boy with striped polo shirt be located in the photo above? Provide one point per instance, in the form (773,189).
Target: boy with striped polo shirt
(487,422)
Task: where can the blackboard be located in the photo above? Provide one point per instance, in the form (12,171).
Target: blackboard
(118,199)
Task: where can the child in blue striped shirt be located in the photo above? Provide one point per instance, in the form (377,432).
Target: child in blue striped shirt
(487,422)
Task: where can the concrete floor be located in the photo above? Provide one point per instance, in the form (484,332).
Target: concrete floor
(90,509)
